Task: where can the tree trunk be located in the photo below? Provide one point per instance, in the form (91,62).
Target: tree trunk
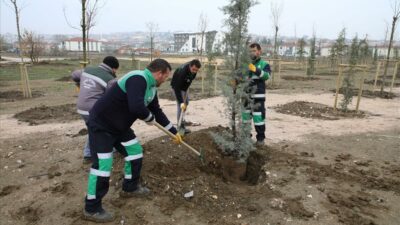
(151,48)
(388,54)
(239,43)
(87,44)
(83,25)
(276,42)
(18,31)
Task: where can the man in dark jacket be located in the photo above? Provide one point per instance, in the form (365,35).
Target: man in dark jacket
(180,83)
(93,83)
(134,97)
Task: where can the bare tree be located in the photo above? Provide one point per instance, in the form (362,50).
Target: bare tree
(276,13)
(203,23)
(83,28)
(89,11)
(17,11)
(152,27)
(396,14)
(24,74)
(32,45)
(92,10)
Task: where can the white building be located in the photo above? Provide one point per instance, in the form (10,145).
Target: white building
(193,43)
(76,45)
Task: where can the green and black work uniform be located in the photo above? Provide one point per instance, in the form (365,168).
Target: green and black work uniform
(110,121)
(257,82)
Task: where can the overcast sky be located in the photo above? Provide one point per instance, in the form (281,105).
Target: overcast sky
(327,16)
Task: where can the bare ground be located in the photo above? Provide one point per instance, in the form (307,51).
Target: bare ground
(314,171)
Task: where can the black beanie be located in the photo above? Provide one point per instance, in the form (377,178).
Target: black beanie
(111,61)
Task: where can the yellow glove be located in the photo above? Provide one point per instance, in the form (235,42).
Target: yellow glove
(183,106)
(177,139)
(252,67)
(77,89)
(233,82)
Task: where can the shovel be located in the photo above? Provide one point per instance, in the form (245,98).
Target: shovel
(200,155)
(181,131)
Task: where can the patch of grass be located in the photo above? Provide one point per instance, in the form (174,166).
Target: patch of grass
(50,70)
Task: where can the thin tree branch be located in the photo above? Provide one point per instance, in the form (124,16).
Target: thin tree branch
(66,19)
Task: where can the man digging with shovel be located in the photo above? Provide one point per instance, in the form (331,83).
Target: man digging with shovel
(134,97)
(180,83)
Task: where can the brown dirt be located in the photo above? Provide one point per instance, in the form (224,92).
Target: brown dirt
(350,175)
(352,193)
(48,114)
(29,214)
(66,79)
(8,190)
(10,96)
(299,78)
(379,83)
(82,132)
(369,93)
(316,111)
(213,162)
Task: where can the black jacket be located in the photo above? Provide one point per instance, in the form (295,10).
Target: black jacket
(116,111)
(182,79)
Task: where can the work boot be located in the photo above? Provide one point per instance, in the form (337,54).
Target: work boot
(100,217)
(183,129)
(87,160)
(187,131)
(260,143)
(141,191)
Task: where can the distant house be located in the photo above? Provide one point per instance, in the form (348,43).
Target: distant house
(76,45)
(193,43)
(326,49)
(125,50)
(285,49)
(383,50)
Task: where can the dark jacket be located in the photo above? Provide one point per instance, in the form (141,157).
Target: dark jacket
(181,80)
(125,102)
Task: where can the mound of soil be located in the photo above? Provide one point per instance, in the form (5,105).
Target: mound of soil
(369,93)
(327,73)
(29,214)
(315,111)
(213,160)
(64,79)
(171,177)
(11,96)
(379,83)
(53,63)
(81,132)
(8,190)
(299,78)
(48,114)
(275,86)
(349,205)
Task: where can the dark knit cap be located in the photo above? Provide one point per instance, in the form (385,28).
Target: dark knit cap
(111,61)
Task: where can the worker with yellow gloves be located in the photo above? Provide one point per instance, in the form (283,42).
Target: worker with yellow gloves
(259,72)
(110,120)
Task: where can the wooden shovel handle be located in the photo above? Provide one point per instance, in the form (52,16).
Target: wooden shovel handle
(173,136)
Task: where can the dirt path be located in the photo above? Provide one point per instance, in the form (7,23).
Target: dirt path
(382,115)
